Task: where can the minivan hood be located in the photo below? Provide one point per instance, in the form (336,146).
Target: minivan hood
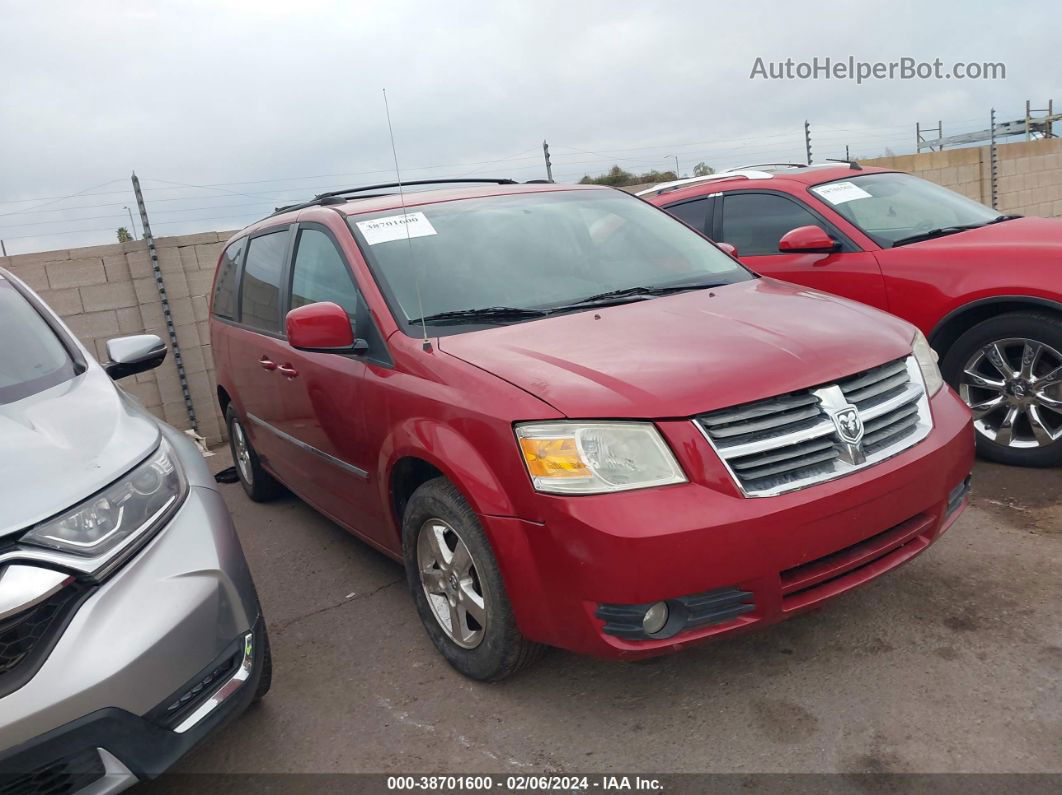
(685,354)
(64,444)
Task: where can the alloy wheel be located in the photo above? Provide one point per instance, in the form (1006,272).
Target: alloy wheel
(451,583)
(1014,389)
(243,453)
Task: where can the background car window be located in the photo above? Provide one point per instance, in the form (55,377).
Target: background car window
(320,273)
(260,293)
(694,213)
(755,222)
(225,288)
(31,357)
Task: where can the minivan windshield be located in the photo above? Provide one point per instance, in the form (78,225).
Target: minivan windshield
(896,209)
(501,259)
(32,358)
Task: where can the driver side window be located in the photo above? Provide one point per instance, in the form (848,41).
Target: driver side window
(320,273)
(755,222)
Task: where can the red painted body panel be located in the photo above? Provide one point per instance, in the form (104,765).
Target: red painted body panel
(453,405)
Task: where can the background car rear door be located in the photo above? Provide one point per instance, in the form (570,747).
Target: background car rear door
(754,222)
(326,412)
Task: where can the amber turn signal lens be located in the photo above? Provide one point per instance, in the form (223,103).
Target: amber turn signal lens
(553,458)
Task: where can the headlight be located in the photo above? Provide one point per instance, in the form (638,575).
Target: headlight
(927,362)
(134,505)
(596,457)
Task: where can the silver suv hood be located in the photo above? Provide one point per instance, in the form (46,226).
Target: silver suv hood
(66,443)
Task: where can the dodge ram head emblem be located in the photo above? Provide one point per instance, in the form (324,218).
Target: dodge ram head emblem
(849,425)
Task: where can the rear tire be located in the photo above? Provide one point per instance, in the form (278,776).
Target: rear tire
(1007,369)
(259,485)
(455,561)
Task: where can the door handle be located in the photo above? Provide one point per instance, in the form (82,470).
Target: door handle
(287,370)
(267,364)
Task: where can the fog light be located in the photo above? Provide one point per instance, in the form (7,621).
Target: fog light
(655,618)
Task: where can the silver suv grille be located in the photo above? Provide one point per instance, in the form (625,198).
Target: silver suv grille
(795,440)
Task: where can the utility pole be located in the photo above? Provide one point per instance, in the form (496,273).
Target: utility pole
(132,225)
(993,157)
(847,156)
(167,315)
(3,248)
(549,166)
(807,140)
(678,174)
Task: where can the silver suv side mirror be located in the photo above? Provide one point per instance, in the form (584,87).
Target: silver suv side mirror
(135,354)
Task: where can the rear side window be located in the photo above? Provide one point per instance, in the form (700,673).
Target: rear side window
(32,358)
(695,213)
(260,292)
(755,222)
(320,273)
(225,288)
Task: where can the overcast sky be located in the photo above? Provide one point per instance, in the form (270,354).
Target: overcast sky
(265,102)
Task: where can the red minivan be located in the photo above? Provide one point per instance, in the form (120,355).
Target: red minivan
(576,421)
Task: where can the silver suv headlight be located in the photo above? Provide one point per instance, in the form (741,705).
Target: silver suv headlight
(112,520)
(596,457)
(927,363)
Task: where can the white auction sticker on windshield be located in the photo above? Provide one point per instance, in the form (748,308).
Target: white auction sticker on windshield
(841,192)
(395,227)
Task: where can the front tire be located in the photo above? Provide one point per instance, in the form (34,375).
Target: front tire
(457,587)
(1008,369)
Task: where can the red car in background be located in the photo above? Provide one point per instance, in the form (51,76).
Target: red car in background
(985,288)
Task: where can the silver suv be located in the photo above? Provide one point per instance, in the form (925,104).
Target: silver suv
(129,623)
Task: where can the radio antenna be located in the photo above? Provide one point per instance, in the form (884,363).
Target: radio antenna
(426,344)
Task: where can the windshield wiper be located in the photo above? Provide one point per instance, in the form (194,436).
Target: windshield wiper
(1001,218)
(932,233)
(487,314)
(635,294)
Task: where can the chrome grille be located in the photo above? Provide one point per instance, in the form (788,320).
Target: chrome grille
(791,441)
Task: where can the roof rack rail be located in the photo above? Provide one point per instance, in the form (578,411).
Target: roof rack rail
(668,187)
(335,196)
(852,164)
(768,165)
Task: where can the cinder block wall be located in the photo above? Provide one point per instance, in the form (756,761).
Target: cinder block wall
(109,291)
(1029,174)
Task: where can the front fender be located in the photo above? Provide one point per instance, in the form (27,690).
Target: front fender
(452,453)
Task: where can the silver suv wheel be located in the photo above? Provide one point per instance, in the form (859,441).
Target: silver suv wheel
(451,583)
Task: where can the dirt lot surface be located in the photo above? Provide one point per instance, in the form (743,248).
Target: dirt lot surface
(951,663)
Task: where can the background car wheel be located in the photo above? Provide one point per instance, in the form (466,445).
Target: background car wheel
(259,484)
(1009,371)
(457,587)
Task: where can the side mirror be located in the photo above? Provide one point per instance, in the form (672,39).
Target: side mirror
(728,248)
(323,327)
(807,239)
(131,355)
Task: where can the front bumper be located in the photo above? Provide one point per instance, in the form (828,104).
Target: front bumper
(140,638)
(788,552)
